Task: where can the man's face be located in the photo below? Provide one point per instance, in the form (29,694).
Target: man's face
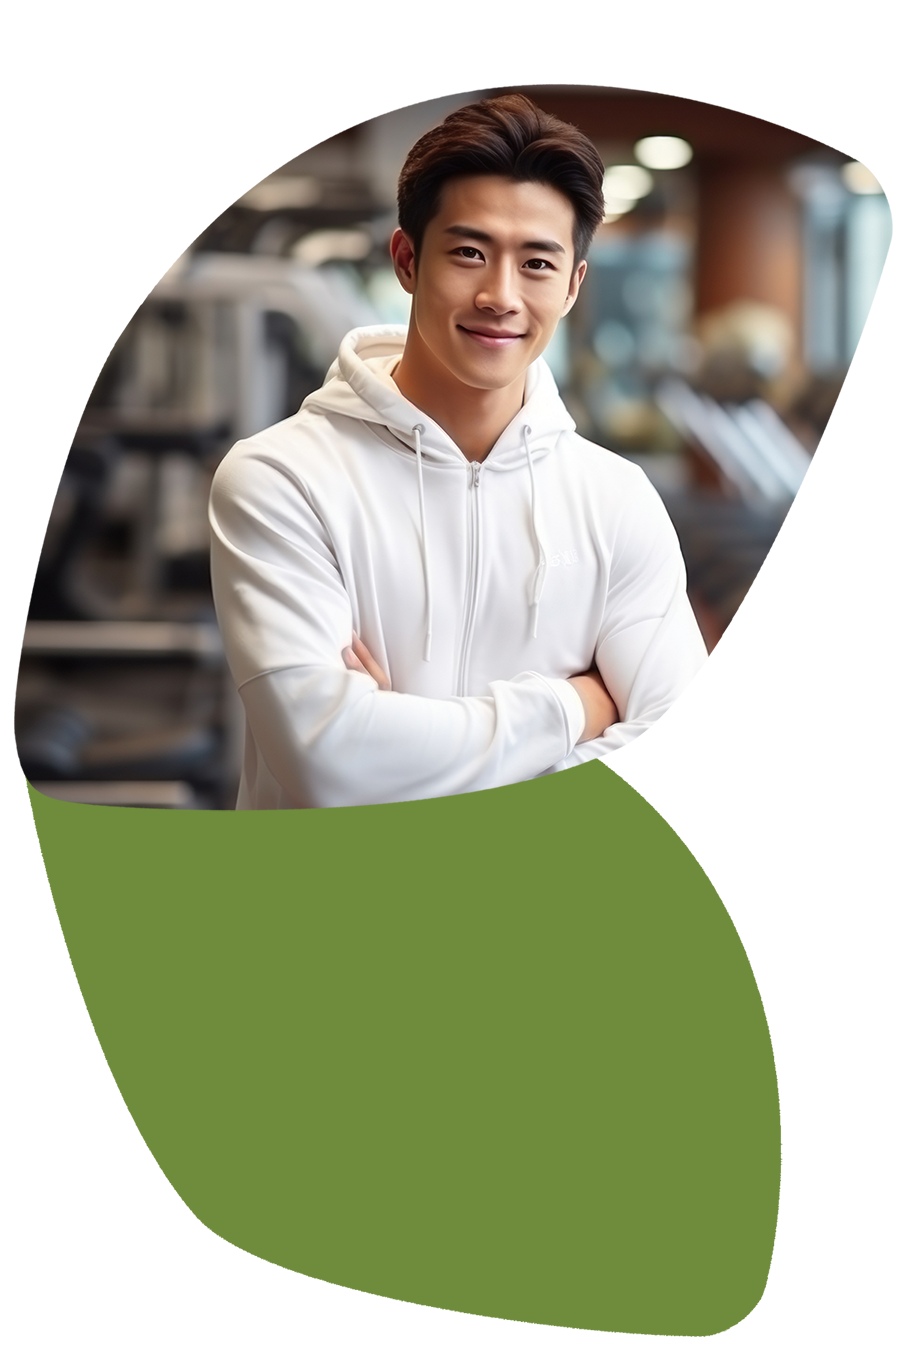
(494,275)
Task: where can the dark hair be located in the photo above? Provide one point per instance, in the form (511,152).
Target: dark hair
(510,137)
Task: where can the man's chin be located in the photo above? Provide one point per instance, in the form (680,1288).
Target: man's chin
(495,371)
(486,384)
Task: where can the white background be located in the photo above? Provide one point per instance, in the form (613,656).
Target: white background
(128,128)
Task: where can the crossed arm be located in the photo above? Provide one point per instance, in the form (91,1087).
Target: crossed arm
(599,710)
(323,737)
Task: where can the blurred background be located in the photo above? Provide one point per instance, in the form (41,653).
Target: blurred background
(724,299)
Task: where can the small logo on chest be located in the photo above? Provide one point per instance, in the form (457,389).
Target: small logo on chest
(566,558)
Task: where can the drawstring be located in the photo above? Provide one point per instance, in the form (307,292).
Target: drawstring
(541,571)
(417,431)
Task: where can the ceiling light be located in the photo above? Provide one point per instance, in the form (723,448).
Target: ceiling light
(617,206)
(663,152)
(859,179)
(626,182)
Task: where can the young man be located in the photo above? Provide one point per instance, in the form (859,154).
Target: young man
(427,583)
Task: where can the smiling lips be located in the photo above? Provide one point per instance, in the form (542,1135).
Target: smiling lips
(488,337)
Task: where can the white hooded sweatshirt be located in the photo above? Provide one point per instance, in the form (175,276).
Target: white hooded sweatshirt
(479,589)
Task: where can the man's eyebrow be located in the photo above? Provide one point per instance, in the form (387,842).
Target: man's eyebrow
(469,232)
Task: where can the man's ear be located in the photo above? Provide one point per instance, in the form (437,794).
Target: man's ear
(404,260)
(574,285)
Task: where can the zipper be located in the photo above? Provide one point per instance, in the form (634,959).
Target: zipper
(472,588)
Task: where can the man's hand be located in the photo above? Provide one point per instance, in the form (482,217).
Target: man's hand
(358,657)
(599,710)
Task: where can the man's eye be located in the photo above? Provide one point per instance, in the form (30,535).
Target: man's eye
(467,251)
(539,265)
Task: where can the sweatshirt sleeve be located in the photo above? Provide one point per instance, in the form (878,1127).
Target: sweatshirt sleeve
(649,647)
(328,735)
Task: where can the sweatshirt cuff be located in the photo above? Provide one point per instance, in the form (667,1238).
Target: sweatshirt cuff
(573,710)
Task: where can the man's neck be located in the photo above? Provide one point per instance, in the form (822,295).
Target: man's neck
(473,418)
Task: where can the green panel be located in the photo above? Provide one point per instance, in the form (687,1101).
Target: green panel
(502,1053)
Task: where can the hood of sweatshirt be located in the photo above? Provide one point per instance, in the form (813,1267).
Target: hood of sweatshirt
(359,385)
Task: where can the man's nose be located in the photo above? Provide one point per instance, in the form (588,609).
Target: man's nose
(499,291)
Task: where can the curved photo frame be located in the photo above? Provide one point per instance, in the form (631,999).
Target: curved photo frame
(723,300)
(161,959)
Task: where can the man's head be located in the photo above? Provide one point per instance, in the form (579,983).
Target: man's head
(506,137)
(498,206)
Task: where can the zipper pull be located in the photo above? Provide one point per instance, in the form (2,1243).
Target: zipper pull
(476,473)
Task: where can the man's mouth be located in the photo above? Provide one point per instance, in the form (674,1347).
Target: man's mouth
(491,337)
